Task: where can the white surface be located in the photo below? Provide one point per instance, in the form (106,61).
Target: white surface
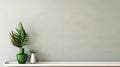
(64,64)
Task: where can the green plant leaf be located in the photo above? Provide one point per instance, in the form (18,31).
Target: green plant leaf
(19,38)
(32,51)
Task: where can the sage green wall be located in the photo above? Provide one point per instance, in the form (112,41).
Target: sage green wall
(63,30)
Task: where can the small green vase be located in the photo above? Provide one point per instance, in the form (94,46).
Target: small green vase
(21,56)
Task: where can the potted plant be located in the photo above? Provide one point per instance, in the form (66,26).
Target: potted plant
(19,38)
(32,57)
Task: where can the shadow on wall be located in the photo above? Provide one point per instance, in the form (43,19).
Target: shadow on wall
(41,56)
(33,44)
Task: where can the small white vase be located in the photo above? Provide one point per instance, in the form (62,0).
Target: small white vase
(32,58)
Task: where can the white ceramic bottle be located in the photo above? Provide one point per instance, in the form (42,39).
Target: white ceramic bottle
(32,58)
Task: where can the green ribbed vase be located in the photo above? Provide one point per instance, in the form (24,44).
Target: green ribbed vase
(21,56)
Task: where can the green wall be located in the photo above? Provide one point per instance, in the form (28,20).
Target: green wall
(63,30)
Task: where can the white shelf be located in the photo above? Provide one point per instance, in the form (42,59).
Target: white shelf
(64,64)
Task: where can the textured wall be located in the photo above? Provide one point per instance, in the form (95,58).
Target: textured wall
(63,30)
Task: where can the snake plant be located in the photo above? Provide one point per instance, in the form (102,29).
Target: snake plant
(19,38)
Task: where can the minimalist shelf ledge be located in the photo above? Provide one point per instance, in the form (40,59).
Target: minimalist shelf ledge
(64,64)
